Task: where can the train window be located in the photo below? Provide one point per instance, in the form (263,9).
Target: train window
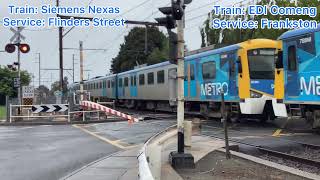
(108,83)
(120,82)
(261,63)
(151,78)
(126,82)
(191,72)
(100,85)
(160,77)
(112,83)
(292,58)
(141,79)
(232,72)
(133,80)
(209,70)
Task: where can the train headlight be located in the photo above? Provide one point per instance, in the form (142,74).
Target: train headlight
(254,94)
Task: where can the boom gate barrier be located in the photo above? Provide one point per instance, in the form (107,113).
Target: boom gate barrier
(96,106)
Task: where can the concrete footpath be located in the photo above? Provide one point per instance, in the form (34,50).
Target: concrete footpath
(124,165)
(119,166)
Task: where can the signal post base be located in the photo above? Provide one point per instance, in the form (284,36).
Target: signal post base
(181,160)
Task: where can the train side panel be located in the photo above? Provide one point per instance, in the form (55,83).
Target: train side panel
(301,57)
(207,76)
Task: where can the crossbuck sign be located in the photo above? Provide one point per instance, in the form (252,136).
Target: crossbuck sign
(16,38)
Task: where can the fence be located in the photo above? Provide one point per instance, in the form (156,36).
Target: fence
(30,112)
(51,108)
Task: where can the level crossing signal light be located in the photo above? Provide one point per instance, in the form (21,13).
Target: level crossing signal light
(173,47)
(173,13)
(24,48)
(10,48)
(12,67)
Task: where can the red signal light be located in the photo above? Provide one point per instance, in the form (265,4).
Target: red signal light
(24,48)
(10,48)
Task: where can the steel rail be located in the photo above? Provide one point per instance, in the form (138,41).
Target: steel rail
(278,154)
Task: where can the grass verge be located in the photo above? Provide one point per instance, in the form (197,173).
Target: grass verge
(2,112)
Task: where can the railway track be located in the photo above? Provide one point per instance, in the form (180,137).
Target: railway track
(309,163)
(306,158)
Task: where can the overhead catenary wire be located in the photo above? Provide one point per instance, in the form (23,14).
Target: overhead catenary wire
(122,14)
(206,14)
(118,37)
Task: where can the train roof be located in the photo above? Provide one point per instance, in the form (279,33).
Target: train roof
(214,51)
(298,32)
(145,68)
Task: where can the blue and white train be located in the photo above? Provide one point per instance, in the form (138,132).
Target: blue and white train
(297,86)
(244,71)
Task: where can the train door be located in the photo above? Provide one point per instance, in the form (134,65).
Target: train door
(126,87)
(114,85)
(292,75)
(192,88)
(104,88)
(120,87)
(133,85)
(232,75)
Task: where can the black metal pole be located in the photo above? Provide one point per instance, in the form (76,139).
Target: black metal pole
(225,125)
(60,52)
(180,142)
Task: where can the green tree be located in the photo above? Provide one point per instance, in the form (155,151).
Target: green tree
(7,79)
(132,51)
(55,86)
(42,90)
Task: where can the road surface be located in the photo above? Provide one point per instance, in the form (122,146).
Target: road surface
(53,152)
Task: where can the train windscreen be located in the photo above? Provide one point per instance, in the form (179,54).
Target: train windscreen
(262,63)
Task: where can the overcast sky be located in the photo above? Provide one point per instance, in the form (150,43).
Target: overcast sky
(45,40)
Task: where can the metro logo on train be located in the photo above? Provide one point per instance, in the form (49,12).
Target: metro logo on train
(214,89)
(310,87)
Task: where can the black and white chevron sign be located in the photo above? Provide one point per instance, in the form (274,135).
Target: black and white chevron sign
(50,108)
